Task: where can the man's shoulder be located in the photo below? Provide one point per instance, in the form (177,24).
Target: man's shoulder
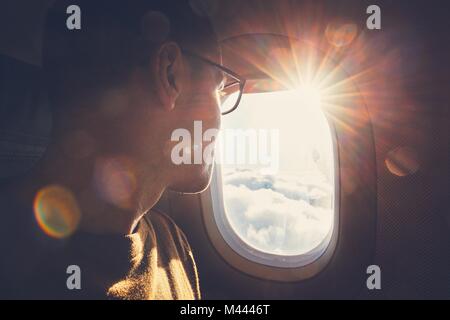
(175,246)
(168,231)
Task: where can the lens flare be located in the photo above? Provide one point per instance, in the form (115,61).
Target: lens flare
(341,34)
(56,211)
(115,180)
(402,161)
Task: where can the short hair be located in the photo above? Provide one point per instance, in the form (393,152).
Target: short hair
(113,39)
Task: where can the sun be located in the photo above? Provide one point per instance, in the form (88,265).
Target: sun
(309,95)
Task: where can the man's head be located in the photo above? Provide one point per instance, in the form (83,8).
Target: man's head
(123,83)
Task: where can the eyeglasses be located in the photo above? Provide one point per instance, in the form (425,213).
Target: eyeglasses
(231,91)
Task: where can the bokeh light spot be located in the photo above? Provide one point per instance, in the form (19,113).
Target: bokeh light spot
(402,161)
(56,211)
(341,34)
(115,180)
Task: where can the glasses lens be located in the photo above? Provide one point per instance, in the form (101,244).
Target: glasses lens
(229,103)
(230,94)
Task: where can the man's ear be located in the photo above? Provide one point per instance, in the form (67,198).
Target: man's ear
(169,69)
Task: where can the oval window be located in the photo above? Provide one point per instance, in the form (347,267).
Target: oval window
(276,170)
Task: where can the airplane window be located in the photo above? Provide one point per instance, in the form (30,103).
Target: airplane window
(276,166)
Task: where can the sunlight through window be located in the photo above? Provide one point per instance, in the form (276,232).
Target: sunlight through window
(278,192)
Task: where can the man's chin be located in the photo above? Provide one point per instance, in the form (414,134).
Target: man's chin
(192,188)
(194,181)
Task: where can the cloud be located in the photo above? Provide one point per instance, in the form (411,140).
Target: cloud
(284,214)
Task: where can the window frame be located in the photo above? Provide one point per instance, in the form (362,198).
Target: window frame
(254,262)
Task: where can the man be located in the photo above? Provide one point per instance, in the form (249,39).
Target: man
(81,223)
